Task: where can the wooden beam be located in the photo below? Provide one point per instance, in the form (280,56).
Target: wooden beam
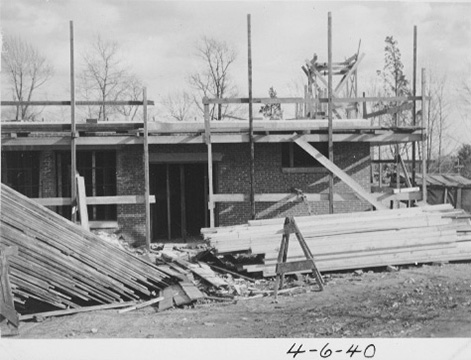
(251,140)
(63,143)
(182,202)
(169,209)
(424,143)
(96,200)
(189,129)
(109,126)
(376,99)
(79,103)
(73,133)
(141,305)
(207,135)
(414,104)
(281,197)
(95,224)
(404,169)
(391,110)
(291,100)
(459,196)
(339,173)
(77,310)
(82,202)
(258,126)
(295,100)
(146,170)
(329,112)
(347,75)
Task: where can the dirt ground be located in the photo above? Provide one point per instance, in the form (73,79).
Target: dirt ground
(416,301)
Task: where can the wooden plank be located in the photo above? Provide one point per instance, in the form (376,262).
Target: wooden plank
(347,75)
(54,244)
(424,143)
(82,202)
(180,298)
(340,173)
(277,197)
(251,128)
(96,200)
(414,104)
(191,291)
(73,132)
(182,202)
(47,314)
(258,126)
(390,110)
(79,103)
(146,170)
(141,305)
(108,126)
(94,142)
(329,112)
(168,198)
(208,139)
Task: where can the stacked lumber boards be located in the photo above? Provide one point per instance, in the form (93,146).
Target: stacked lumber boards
(355,240)
(62,264)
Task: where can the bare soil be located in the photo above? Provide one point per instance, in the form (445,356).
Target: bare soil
(416,301)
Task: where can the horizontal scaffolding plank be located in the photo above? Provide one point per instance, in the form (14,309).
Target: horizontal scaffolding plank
(63,142)
(80,103)
(259,125)
(96,200)
(276,197)
(296,100)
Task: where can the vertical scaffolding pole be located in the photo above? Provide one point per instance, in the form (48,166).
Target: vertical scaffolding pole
(424,142)
(251,141)
(146,169)
(73,132)
(414,104)
(207,133)
(331,144)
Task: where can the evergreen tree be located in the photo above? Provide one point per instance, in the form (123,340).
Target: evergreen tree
(272,111)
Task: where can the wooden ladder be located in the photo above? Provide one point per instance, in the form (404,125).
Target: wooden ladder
(283,266)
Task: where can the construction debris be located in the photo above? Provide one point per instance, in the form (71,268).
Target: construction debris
(355,240)
(61,264)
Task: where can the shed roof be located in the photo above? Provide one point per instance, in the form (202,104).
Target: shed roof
(445,180)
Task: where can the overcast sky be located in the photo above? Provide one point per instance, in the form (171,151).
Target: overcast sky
(158,37)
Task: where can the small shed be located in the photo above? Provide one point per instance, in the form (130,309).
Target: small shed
(448,188)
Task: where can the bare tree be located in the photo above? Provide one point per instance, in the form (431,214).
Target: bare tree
(27,70)
(437,124)
(106,78)
(178,105)
(132,90)
(213,79)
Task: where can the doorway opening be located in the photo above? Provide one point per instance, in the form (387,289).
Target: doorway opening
(180,209)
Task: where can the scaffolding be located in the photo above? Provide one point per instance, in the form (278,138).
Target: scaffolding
(315,123)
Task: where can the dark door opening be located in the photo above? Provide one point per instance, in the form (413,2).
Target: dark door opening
(180,209)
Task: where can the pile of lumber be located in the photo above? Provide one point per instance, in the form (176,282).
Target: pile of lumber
(62,264)
(355,240)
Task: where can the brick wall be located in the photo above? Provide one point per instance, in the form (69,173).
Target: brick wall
(233,177)
(47,174)
(130,181)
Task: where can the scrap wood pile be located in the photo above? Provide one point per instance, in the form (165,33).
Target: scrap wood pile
(431,233)
(214,278)
(61,264)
